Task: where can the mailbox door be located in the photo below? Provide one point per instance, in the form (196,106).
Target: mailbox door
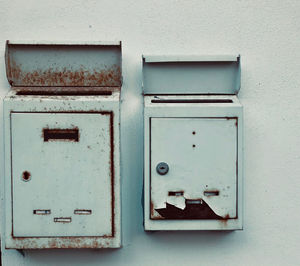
(193,168)
(61,174)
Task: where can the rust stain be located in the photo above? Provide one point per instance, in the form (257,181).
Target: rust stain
(152,208)
(8,68)
(224,220)
(94,243)
(26,176)
(65,77)
(62,242)
(230,117)
(157,218)
(68,243)
(15,71)
(154,215)
(235,117)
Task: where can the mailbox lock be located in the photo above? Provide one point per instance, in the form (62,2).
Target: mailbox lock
(26,176)
(162,168)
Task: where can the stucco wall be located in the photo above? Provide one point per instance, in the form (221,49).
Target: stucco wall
(267,35)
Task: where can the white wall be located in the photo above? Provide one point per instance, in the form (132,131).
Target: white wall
(267,35)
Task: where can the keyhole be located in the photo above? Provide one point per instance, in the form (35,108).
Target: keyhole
(26,176)
(162,168)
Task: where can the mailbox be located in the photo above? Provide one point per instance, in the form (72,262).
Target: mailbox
(193,143)
(62,159)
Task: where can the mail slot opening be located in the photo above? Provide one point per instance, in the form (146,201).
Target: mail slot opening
(71,134)
(191,101)
(63,92)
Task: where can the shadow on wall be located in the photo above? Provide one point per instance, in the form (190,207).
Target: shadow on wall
(195,239)
(192,237)
(65,256)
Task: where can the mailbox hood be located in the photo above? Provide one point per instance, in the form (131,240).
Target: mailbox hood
(38,64)
(218,74)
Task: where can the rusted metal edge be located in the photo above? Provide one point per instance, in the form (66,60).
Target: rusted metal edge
(64,242)
(65,91)
(64,64)
(194,209)
(7,64)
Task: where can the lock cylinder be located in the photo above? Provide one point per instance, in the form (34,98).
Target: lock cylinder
(162,168)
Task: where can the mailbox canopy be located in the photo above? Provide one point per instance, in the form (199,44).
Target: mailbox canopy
(218,74)
(38,64)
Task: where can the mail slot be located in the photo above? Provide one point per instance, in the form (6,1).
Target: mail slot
(193,131)
(62,161)
(70,134)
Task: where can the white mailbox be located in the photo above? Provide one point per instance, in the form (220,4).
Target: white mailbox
(62,159)
(193,143)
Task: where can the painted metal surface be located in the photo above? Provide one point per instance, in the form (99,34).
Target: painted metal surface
(200,138)
(67,149)
(201,154)
(70,170)
(62,158)
(191,74)
(46,64)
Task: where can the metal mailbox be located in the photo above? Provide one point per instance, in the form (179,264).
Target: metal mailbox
(193,143)
(62,159)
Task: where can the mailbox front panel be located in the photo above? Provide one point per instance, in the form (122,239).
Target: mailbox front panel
(200,155)
(61,174)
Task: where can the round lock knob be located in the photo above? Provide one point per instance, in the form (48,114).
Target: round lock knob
(162,168)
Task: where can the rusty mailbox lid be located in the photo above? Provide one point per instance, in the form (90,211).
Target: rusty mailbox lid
(191,74)
(46,64)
